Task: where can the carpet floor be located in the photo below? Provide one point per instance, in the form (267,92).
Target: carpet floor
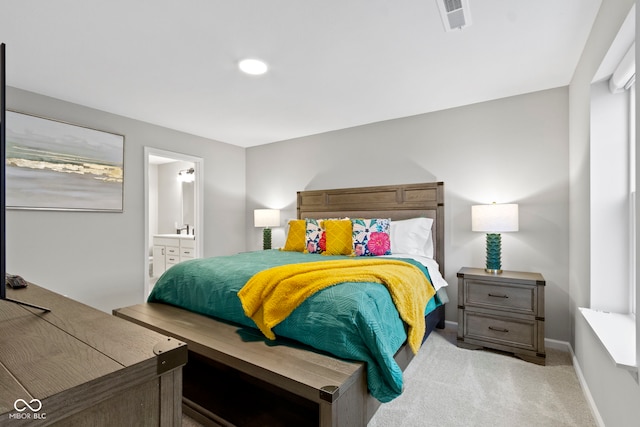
(447,386)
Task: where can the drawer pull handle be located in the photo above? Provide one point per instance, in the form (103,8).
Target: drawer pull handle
(498,329)
(498,296)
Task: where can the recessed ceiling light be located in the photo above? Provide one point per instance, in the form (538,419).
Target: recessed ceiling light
(253,66)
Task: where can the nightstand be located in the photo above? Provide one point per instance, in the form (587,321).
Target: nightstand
(502,312)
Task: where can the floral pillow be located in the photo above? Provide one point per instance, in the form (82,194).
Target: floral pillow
(316,242)
(371,237)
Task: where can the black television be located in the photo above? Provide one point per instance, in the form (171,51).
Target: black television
(3,175)
(3,135)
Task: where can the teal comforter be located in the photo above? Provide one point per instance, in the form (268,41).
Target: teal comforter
(356,321)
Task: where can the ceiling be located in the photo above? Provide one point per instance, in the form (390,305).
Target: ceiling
(333,64)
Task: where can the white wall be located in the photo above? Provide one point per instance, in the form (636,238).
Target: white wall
(614,391)
(509,150)
(98,258)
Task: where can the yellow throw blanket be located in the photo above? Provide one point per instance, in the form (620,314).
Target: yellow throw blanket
(271,295)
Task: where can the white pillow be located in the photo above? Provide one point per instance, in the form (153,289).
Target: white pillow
(412,236)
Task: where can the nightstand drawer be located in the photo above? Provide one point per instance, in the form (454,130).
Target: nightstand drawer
(518,298)
(501,330)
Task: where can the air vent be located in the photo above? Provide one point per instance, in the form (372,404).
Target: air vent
(452,5)
(455,14)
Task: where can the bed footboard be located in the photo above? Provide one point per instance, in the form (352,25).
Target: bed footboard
(235,376)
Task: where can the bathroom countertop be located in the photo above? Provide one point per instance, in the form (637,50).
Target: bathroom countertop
(176,236)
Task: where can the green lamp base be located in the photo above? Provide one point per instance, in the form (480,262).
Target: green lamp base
(266,239)
(493,265)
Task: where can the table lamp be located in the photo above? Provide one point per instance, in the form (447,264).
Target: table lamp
(494,219)
(266,218)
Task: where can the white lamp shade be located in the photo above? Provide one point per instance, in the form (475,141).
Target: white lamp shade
(266,217)
(494,218)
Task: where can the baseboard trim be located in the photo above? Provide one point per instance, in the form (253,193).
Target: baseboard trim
(565,346)
(558,345)
(585,388)
(449,324)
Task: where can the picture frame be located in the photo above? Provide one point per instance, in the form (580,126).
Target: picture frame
(54,165)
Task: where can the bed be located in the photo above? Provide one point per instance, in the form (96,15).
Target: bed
(294,371)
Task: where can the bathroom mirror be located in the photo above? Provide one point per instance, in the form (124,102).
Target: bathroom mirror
(188,203)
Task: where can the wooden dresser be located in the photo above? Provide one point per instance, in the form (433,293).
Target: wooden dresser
(502,311)
(78,366)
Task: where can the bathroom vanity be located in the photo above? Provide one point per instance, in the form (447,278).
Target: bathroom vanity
(170,249)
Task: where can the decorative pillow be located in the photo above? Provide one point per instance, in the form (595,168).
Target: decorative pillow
(296,236)
(338,234)
(371,236)
(412,236)
(315,242)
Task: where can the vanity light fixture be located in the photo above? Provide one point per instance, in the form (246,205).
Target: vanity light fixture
(187,175)
(255,67)
(494,219)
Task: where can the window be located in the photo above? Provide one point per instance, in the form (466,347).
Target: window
(612,212)
(611,233)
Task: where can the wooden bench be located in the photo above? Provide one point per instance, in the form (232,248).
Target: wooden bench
(76,366)
(236,377)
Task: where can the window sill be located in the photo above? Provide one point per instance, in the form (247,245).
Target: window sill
(617,332)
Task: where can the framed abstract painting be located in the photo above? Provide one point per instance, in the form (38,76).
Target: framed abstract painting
(52,165)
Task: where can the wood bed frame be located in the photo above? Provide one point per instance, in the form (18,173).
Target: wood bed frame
(236,377)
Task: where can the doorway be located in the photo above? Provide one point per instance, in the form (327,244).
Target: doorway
(173,204)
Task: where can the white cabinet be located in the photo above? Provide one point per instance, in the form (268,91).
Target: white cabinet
(187,249)
(170,249)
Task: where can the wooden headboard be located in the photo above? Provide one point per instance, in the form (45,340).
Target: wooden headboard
(389,201)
